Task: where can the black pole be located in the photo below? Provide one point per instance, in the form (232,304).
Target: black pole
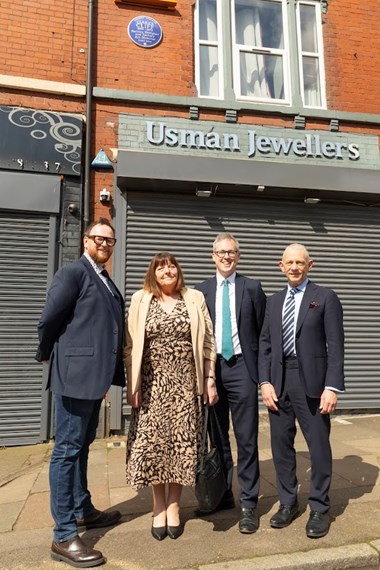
(87,160)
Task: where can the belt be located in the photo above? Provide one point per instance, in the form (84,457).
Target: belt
(290,362)
(233,360)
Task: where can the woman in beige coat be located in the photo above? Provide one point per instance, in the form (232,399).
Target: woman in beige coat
(169,358)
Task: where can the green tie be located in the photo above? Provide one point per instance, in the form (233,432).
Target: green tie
(227,346)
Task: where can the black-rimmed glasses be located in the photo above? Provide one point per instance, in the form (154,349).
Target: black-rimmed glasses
(99,240)
(230,253)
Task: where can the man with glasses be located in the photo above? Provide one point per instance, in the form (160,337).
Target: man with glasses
(81,336)
(237,307)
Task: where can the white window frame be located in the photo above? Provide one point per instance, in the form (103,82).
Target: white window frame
(237,49)
(218,44)
(316,55)
(293,86)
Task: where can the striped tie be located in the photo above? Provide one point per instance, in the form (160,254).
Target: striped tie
(288,340)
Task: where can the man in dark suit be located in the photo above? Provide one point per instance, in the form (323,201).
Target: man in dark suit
(301,372)
(81,335)
(237,306)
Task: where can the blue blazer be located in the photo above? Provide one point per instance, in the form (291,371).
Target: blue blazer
(250,311)
(81,333)
(319,341)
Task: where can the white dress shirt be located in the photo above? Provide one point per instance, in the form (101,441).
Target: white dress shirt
(218,313)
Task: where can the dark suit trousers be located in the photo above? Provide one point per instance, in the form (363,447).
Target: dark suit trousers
(238,394)
(315,427)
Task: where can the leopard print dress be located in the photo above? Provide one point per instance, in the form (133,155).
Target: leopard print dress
(165,432)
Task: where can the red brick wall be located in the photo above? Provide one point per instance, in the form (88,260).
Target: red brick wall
(48,40)
(42,39)
(351,31)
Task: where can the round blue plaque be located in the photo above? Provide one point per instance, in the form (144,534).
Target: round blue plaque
(145,32)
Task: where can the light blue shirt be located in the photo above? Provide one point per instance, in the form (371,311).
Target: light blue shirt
(298,300)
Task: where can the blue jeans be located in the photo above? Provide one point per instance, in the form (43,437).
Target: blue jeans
(75,429)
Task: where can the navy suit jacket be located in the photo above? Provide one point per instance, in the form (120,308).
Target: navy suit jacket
(250,311)
(81,332)
(319,341)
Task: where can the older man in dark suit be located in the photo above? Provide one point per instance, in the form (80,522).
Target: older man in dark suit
(237,306)
(81,335)
(301,372)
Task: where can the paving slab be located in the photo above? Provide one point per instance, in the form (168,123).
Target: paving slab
(212,542)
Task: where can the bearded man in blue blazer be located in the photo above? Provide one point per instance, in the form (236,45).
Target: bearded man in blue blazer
(301,374)
(81,334)
(236,305)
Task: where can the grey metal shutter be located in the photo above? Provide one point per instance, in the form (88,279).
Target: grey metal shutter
(342,238)
(24,242)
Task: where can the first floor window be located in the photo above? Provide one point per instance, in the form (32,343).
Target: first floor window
(273,50)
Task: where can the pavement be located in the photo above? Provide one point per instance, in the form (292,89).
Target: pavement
(212,542)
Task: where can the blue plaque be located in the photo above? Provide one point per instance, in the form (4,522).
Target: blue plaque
(145,31)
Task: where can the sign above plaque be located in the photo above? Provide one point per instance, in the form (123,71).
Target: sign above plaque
(145,31)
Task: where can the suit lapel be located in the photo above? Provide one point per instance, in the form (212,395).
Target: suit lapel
(307,298)
(101,286)
(211,297)
(239,289)
(280,299)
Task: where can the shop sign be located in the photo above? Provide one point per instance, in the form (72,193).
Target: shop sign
(145,31)
(308,146)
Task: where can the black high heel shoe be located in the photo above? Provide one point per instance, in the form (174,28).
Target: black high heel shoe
(159,532)
(174,531)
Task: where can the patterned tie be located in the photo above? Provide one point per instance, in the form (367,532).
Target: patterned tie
(111,287)
(227,346)
(288,340)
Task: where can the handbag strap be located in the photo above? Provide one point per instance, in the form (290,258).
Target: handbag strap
(204,447)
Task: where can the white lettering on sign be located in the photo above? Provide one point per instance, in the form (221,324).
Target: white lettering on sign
(187,138)
(310,146)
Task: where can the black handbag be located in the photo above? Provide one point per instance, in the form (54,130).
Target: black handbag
(210,483)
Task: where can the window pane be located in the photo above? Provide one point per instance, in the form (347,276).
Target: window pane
(311,82)
(207,20)
(259,23)
(309,41)
(261,76)
(209,72)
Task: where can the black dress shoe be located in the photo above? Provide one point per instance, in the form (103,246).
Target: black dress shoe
(175,531)
(159,532)
(76,553)
(228,502)
(284,516)
(318,524)
(99,519)
(249,521)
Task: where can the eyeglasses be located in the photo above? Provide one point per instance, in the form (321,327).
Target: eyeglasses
(231,253)
(99,240)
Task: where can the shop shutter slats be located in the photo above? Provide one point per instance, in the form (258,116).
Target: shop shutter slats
(343,239)
(24,242)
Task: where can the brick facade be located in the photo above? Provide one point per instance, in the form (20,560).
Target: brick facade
(48,42)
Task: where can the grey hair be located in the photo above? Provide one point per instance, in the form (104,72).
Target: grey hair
(298,246)
(222,236)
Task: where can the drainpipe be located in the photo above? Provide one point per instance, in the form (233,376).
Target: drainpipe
(87,160)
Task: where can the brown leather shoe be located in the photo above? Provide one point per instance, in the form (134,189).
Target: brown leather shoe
(99,519)
(76,553)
